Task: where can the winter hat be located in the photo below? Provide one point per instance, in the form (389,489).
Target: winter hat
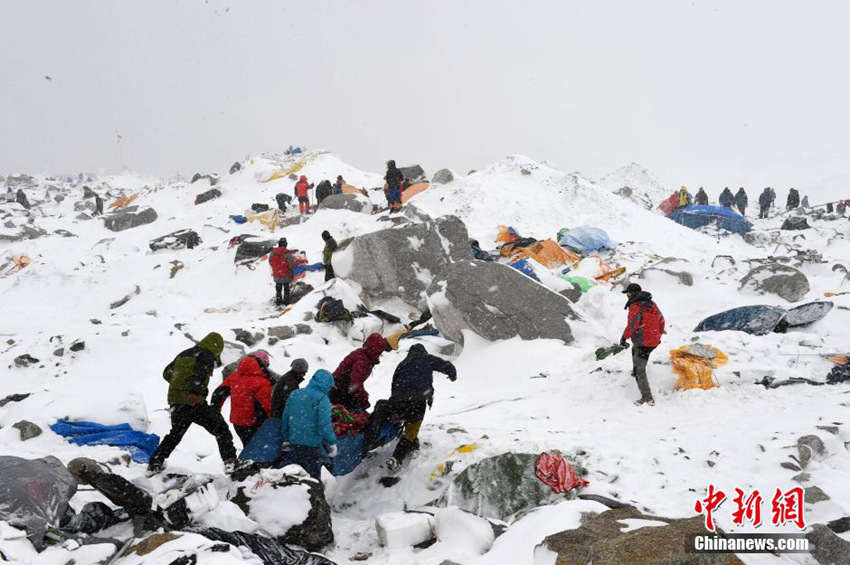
(300,366)
(633,287)
(282,242)
(326,235)
(262,356)
(303,178)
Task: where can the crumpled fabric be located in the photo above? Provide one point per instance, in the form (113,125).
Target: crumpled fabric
(695,365)
(554,471)
(345,422)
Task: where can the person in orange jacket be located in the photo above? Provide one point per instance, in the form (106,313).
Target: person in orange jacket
(250,393)
(301,188)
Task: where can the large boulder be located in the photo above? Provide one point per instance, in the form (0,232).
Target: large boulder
(290,506)
(352,202)
(774,278)
(827,548)
(404,261)
(443,176)
(499,487)
(496,302)
(127,220)
(414,173)
(182,239)
(625,535)
(211,194)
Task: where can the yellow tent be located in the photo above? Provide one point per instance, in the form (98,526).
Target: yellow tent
(269,218)
(286,172)
(695,365)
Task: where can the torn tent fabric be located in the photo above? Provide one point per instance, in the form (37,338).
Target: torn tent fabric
(547,253)
(583,283)
(695,365)
(585,239)
(140,445)
(556,472)
(762,320)
(507,234)
(700,216)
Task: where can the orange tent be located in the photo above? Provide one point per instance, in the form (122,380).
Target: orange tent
(507,234)
(123,201)
(413,190)
(548,253)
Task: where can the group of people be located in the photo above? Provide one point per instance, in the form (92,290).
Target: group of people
(256,394)
(727,199)
(282,262)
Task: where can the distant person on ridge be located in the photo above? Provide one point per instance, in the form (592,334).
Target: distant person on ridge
(644,327)
(741,200)
(282,264)
(350,377)
(805,202)
(394,180)
(765,200)
(250,393)
(188,377)
(727,199)
(327,255)
(301,188)
(684,198)
(701,198)
(323,191)
(793,199)
(337,188)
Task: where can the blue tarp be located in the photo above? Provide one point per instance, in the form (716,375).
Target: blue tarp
(265,446)
(699,216)
(307,268)
(140,445)
(585,239)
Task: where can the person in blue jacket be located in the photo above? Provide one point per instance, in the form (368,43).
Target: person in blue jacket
(306,423)
(337,188)
(727,199)
(765,201)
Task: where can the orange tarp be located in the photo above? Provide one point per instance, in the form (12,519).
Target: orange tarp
(506,235)
(548,253)
(123,202)
(695,365)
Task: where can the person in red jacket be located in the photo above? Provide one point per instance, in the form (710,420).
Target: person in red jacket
(644,327)
(301,188)
(349,378)
(250,393)
(282,263)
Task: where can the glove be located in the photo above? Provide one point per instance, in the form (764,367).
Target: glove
(333,451)
(453,378)
(624,343)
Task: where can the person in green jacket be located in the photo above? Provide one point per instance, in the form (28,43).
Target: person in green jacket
(327,254)
(188,378)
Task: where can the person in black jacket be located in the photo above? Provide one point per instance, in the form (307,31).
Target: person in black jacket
(288,382)
(793,199)
(412,393)
(394,179)
(323,190)
(702,198)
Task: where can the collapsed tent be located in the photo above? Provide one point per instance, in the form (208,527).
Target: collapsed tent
(140,445)
(795,223)
(762,320)
(695,365)
(413,190)
(250,248)
(270,218)
(585,239)
(35,494)
(547,253)
(698,216)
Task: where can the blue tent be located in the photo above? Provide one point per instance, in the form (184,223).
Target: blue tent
(761,320)
(140,445)
(585,239)
(698,216)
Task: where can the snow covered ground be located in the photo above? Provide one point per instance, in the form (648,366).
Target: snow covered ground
(523,396)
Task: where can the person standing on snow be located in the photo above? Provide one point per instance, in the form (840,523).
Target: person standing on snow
(323,191)
(765,200)
(337,187)
(741,200)
(394,180)
(684,198)
(327,255)
(188,377)
(702,198)
(301,188)
(287,383)
(282,264)
(306,424)
(350,377)
(793,199)
(412,393)
(644,327)
(250,393)
(727,199)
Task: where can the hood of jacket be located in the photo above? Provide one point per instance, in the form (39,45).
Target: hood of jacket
(418,349)
(280,251)
(640,297)
(214,343)
(249,366)
(322,381)
(374,345)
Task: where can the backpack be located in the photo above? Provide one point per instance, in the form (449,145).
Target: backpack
(332,310)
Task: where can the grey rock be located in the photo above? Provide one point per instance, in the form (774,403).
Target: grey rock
(496,302)
(602,541)
(403,262)
(500,487)
(246,337)
(127,220)
(77,346)
(181,239)
(303,329)
(59,352)
(299,291)
(83,217)
(815,494)
(21,199)
(830,429)
(213,178)
(810,447)
(282,332)
(84,206)
(829,549)
(88,192)
(17,397)
(235,168)
(64,233)
(801,477)
(28,429)
(25,360)
(21,181)
(211,194)
(790,466)
(413,173)
(573,294)
(126,299)
(443,176)
(352,202)
(774,278)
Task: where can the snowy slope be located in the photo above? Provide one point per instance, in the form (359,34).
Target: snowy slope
(643,183)
(510,396)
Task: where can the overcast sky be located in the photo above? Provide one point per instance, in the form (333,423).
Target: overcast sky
(701,92)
